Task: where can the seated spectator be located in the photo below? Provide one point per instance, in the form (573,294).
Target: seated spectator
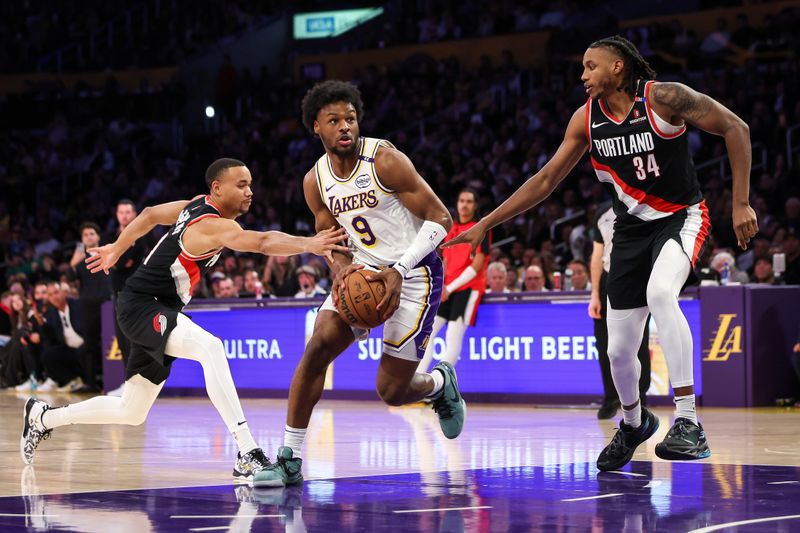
(63,343)
(512,279)
(534,279)
(40,302)
(13,356)
(762,271)
(496,278)
(722,259)
(307,278)
(225,288)
(278,275)
(252,288)
(24,350)
(791,247)
(214,280)
(580,275)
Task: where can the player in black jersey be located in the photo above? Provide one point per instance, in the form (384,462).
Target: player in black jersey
(634,130)
(149,309)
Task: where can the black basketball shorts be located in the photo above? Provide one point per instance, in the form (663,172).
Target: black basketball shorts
(636,248)
(147,323)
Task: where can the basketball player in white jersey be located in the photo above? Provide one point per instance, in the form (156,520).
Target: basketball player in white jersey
(394,222)
(150,310)
(634,131)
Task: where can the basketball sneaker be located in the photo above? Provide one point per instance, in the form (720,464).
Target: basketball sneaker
(248,465)
(33,431)
(449,404)
(625,440)
(285,471)
(685,441)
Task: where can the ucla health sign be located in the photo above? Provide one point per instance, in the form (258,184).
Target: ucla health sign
(322,24)
(532,348)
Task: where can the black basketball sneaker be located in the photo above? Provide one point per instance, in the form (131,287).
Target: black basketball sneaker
(248,465)
(625,440)
(33,430)
(685,441)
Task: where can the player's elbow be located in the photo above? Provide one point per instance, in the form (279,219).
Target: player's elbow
(737,127)
(549,180)
(444,219)
(147,214)
(744,127)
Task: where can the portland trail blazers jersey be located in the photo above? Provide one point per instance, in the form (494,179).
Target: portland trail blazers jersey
(380,228)
(645,159)
(170,273)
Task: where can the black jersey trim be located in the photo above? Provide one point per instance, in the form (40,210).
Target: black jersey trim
(611,117)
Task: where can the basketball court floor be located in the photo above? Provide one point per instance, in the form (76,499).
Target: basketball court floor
(372,468)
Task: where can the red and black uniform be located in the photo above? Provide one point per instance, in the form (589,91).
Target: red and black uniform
(148,306)
(464,301)
(646,162)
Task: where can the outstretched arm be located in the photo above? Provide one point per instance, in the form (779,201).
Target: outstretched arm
(213,233)
(537,187)
(162,214)
(679,103)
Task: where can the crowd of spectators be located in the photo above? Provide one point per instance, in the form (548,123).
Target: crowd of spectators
(113,34)
(488,128)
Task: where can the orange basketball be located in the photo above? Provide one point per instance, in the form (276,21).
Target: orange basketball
(358,300)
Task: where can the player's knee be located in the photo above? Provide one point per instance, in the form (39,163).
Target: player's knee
(391,394)
(658,296)
(315,359)
(617,352)
(216,351)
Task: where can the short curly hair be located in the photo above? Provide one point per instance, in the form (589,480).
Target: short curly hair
(325,93)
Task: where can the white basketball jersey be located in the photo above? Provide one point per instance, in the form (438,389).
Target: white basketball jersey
(379,226)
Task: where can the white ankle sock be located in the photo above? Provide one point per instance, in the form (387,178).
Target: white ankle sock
(633,418)
(684,407)
(293,438)
(244,439)
(438,382)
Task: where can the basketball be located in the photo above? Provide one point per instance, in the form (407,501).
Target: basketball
(358,301)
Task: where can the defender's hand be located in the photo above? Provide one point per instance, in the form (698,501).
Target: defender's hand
(103,259)
(745,224)
(326,241)
(473,236)
(393,281)
(339,278)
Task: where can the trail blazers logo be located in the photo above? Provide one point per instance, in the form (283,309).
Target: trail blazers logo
(160,324)
(727,340)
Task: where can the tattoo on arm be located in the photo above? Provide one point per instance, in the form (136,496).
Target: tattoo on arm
(684,103)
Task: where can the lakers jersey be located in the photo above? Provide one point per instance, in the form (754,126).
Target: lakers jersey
(170,273)
(643,158)
(379,227)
